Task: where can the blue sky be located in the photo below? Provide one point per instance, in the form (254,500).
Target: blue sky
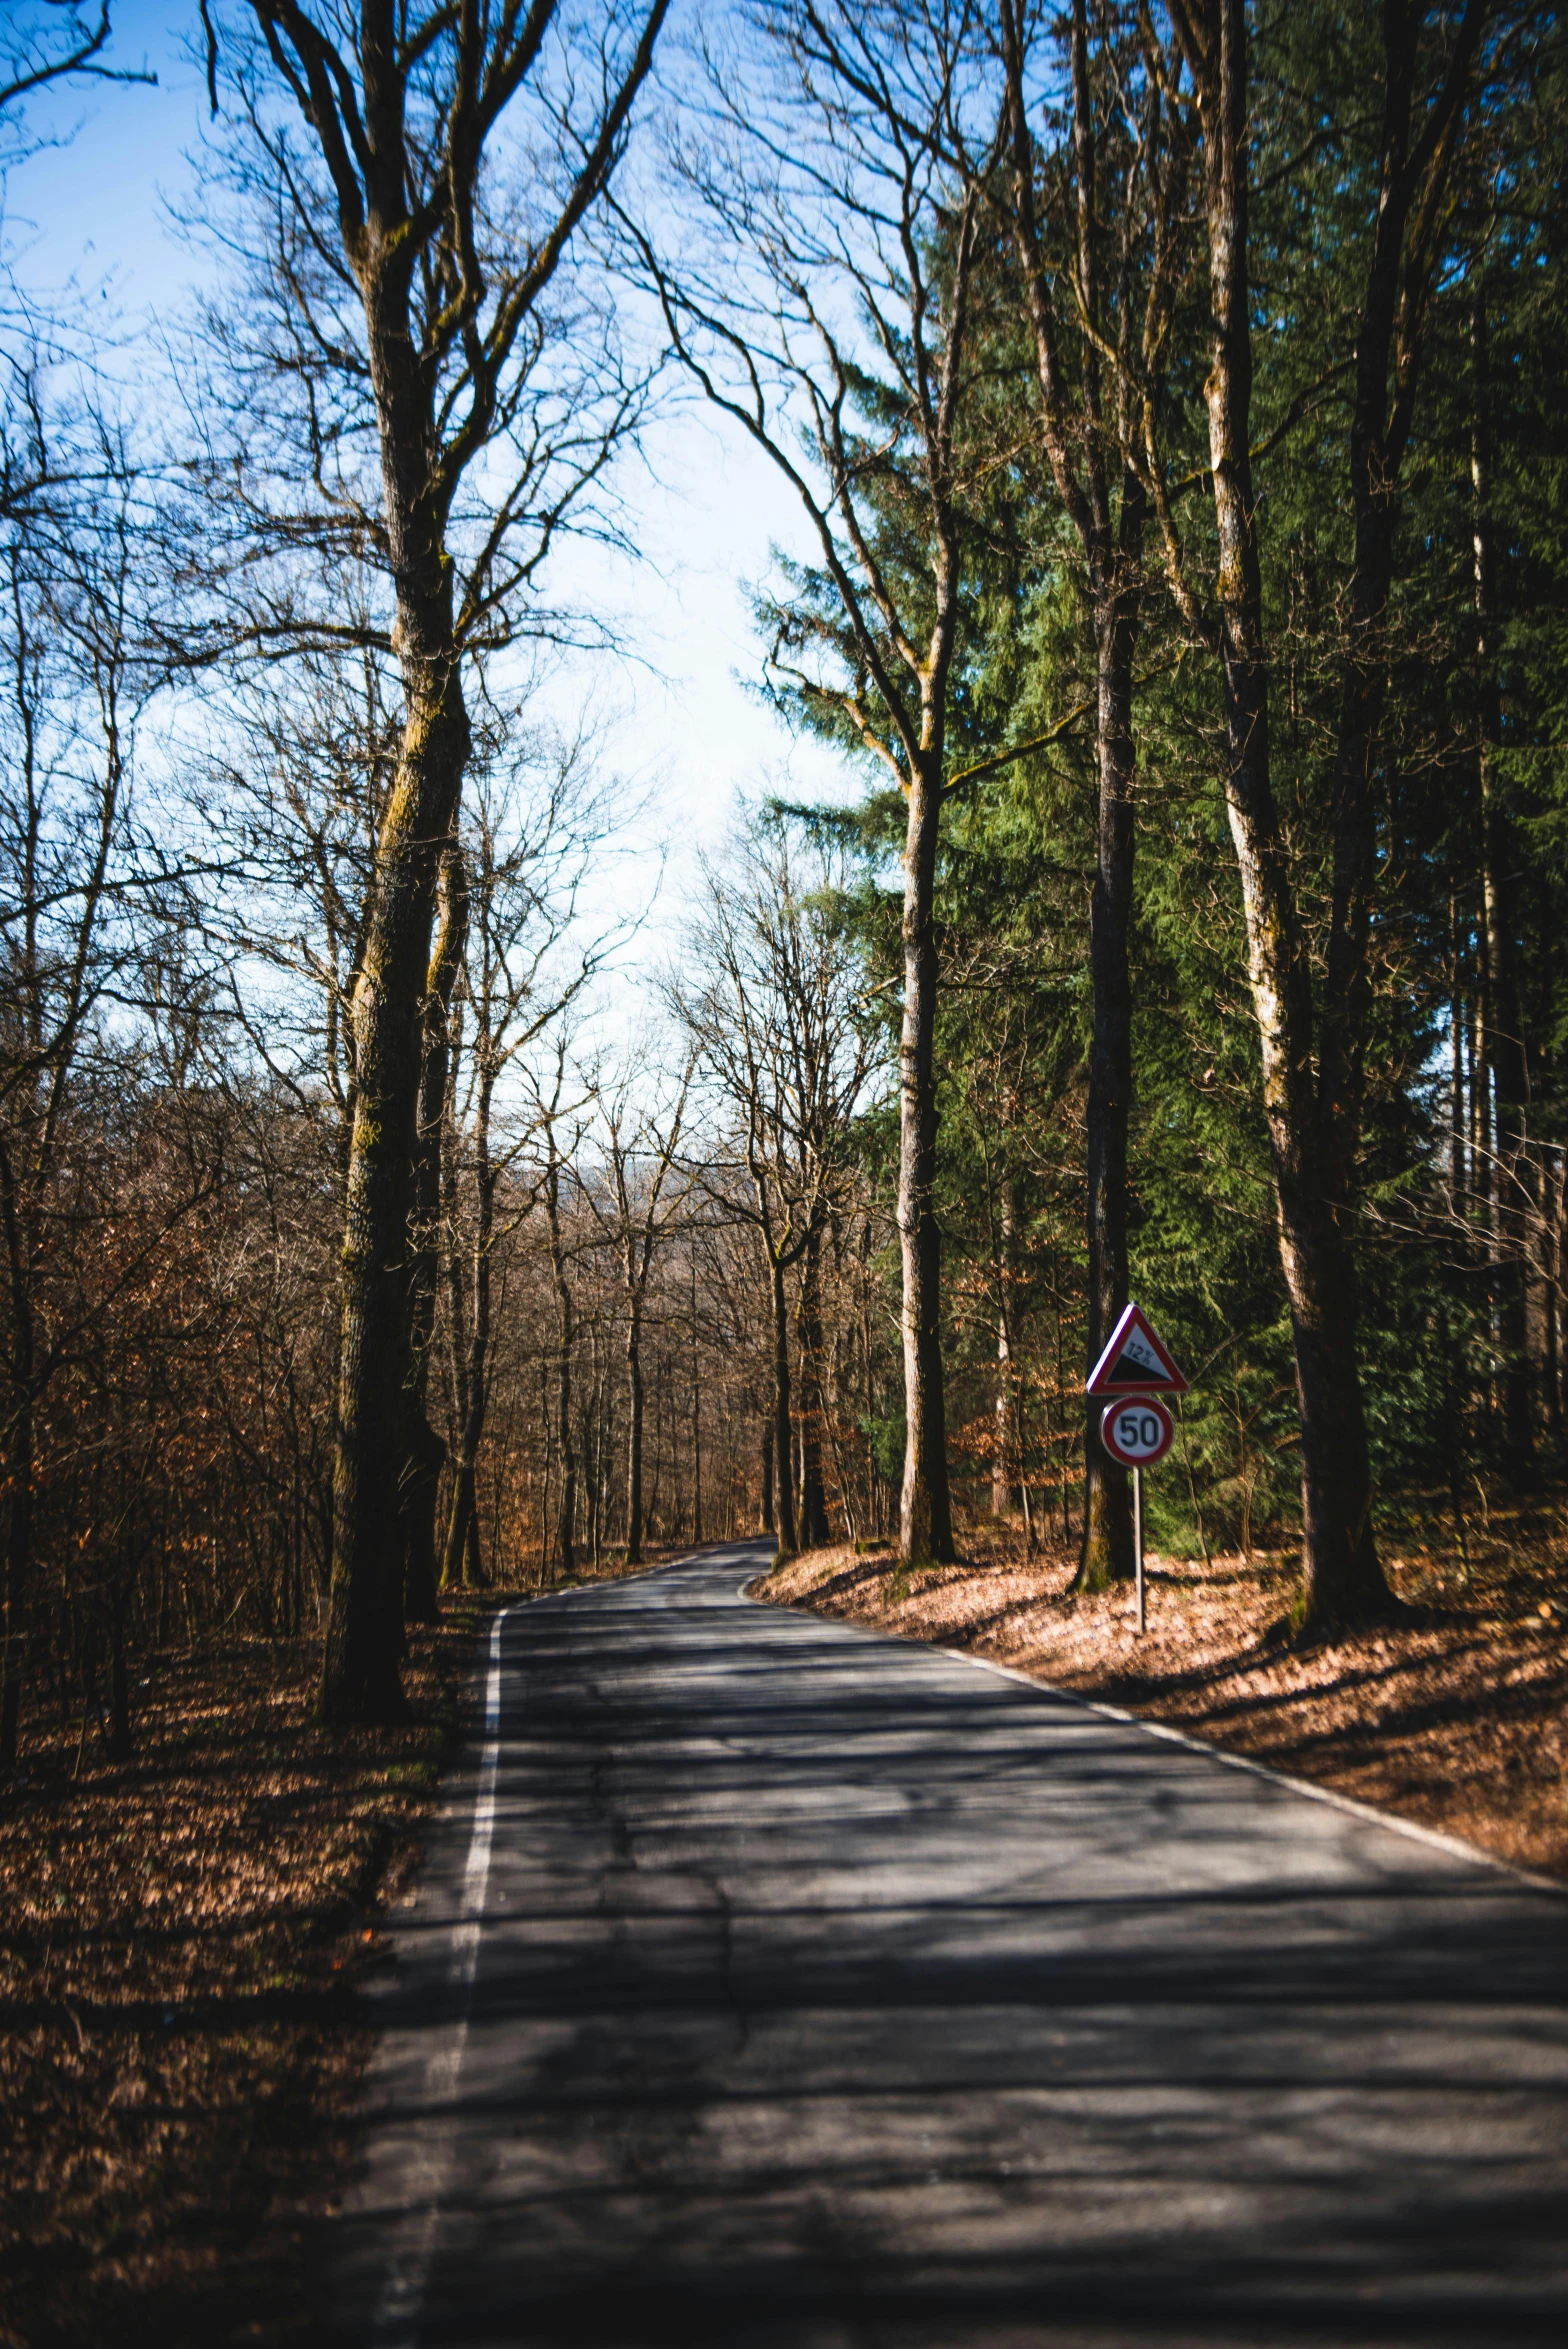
(96,209)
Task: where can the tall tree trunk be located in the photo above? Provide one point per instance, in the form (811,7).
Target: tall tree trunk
(1505,1031)
(1343,1580)
(1003,1415)
(364,1633)
(1106,1554)
(461,1562)
(544,1482)
(634,1524)
(402,207)
(925,1514)
(696,1417)
(565,1333)
(1077,438)
(426,1453)
(593,1435)
(1478,1071)
(783,1483)
(813,1492)
(767,1477)
(1315,1126)
(566,1511)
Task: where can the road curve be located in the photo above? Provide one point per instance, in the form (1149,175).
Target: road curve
(775,1985)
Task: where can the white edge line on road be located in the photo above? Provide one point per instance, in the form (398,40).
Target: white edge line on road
(401,2306)
(400,2309)
(1454,1845)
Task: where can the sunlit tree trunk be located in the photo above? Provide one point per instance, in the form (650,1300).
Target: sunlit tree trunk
(813,1491)
(565,1338)
(426,1453)
(925,1515)
(360,1678)
(1106,1555)
(1458,1177)
(1313,1057)
(1343,1577)
(399,104)
(635,1401)
(767,1478)
(1511,1193)
(783,1482)
(461,1560)
(696,1415)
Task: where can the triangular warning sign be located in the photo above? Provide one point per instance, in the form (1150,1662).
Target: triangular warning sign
(1134,1361)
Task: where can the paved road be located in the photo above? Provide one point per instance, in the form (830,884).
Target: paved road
(830,1991)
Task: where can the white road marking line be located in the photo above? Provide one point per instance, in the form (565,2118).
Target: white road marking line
(402,2302)
(1453,1845)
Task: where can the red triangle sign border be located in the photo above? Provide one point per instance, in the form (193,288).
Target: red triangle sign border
(1102,1382)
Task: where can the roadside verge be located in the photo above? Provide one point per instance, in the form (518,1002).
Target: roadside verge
(186,1933)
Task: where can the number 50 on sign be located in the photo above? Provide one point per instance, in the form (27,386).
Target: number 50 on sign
(1137,1431)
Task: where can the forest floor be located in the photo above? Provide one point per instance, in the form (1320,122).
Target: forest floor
(183,1940)
(1457,1720)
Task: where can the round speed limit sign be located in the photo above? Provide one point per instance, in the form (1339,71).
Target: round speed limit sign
(1137,1431)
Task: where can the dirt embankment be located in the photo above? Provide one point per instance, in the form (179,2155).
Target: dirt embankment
(1458,1721)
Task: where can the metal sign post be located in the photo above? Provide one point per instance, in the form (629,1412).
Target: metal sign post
(1136,1428)
(1137,1538)
(1138,1431)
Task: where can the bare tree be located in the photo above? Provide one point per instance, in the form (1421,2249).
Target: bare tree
(539,815)
(295,787)
(560,1121)
(409,310)
(45,41)
(777,1016)
(84,892)
(642,1198)
(434,1173)
(831,314)
(296,784)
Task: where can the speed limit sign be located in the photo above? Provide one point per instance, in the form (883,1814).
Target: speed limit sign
(1137,1431)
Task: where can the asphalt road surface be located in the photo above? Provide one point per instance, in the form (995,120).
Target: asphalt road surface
(780,1986)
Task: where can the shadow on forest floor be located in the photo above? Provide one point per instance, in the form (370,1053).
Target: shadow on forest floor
(182,1939)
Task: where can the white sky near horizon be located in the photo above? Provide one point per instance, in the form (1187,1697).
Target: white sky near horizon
(89,220)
